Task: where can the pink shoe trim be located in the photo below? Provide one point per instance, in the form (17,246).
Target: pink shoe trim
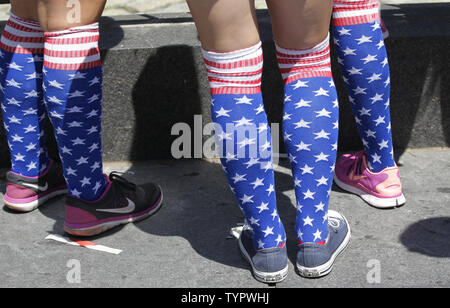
(75,215)
(33,198)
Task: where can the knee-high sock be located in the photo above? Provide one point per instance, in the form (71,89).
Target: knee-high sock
(243,139)
(310,128)
(364,65)
(22,46)
(73,97)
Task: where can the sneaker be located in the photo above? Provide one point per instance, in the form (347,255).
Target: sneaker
(381,190)
(316,260)
(268,265)
(25,194)
(122,202)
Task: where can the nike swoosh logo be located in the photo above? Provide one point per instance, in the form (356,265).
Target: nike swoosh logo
(354,177)
(125,210)
(36,186)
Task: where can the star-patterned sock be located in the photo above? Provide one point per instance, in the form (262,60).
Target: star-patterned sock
(73,97)
(364,64)
(310,129)
(22,46)
(243,139)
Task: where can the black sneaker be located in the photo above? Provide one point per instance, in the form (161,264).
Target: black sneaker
(24,194)
(315,260)
(268,265)
(122,202)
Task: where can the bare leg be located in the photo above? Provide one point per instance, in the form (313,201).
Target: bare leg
(55,15)
(300,24)
(26,9)
(220,22)
(22,48)
(310,127)
(72,79)
(233,56)
(310,121)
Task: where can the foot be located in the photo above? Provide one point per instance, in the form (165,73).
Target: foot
(268,265)
(25,194)
(381,190)
(121,203)
(316,260)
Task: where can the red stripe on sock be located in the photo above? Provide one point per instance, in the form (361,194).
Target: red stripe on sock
(236,90)
(319,243)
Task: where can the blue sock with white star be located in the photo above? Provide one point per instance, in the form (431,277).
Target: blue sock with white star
(73,97)
(365,69)
(22,46)
(310,129)
(243,139)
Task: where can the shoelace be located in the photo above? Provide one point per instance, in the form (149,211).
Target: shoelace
(356,166)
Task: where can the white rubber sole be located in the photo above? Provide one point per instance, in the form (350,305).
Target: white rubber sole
(91,231)
(31,206)
(274,277)
(381,203)
(325,269)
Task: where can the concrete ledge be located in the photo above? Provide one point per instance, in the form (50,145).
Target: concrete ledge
(154,78)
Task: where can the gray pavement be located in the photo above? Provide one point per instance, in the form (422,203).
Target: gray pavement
(187,243)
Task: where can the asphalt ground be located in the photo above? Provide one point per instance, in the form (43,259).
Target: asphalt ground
(188,243)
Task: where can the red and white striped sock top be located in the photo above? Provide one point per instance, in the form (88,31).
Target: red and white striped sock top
(237,72)
(299,64)
(73,49)
(355,12)
(22,36)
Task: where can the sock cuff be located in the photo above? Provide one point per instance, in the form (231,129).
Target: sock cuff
(22,36)
(73,49)
(299,64)
(355,12)
(237,72)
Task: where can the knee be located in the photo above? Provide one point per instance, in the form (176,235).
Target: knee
(60,23)
(304,42)
(56,15)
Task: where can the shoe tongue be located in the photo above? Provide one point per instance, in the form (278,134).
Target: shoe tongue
(359,164)
(359,167)
(122,182)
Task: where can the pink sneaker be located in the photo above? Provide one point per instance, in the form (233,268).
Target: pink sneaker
(381,190)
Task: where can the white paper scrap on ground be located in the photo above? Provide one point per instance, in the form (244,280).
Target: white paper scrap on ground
(86,244)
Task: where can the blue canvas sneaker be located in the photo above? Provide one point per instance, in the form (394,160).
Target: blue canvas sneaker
(316,260)
(268,265)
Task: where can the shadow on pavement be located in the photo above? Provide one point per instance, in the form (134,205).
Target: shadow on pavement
(201,209)
(430,237)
